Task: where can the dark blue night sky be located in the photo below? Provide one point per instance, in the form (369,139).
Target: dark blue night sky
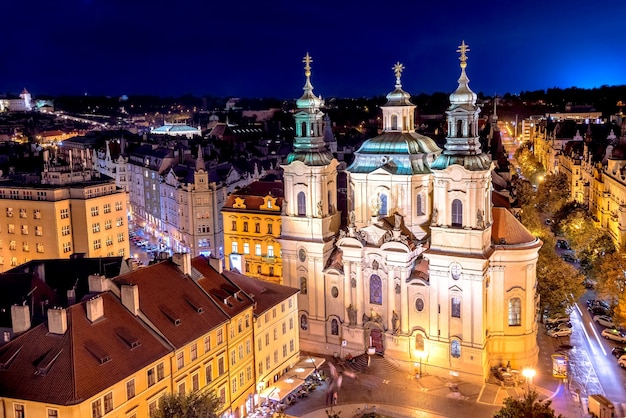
(254,49)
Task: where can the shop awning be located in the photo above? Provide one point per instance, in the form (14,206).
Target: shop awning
(282,387)
(311,361)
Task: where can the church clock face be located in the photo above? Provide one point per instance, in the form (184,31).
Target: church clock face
(455,271)
(302,255)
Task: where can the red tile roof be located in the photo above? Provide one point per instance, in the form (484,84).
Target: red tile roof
(230,298)
(168,298)
(506,229)
(75,372)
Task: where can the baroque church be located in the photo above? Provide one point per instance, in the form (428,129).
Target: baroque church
(428,272)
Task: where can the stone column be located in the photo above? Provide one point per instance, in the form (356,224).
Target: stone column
(404,303)
(391,297)
(360,303)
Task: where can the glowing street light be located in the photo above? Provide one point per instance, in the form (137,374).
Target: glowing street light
(529,374)
(419,354)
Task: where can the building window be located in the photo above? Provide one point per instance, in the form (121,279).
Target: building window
(108,402)
(180,360)
(119,221)
(515,312)
(247,267)
(181,388)
(223,396)
(209,373)
(207,343)
(152,409)
(53,413)
(383,205)
(301,204)
(37,214)
(233,226)
(257,228)
(22,213)
(456,307)
(107,224)
(67,247)
(303,287)
(151,377)
(270,229)
(291,346)
(65,213)
(11,229)
(457,213)
(109,240)
(95,227)
(234,247)
(220,336)
(376,291)
(194,351)
(257,249)
(65,230)
(118,206)
(270,251)
(455,348)
(24,229)
(245,227)
(419,205)
(39,247)
(9,212)
(13,261)
(120,237)
(246,248)
(12,245)
(95,211)
(39,231)
(97,244)
(96,409)
(160,369)
(334,327)
(130,389)
(107,208)
(220,366)
(195,382)
(25,246)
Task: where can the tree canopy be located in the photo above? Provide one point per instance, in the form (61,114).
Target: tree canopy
(527,407)
(190,405)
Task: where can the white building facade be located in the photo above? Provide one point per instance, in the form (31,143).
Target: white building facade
(427,271)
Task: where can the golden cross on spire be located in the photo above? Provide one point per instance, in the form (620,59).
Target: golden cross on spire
(307,60)
(463,48)
(397,69)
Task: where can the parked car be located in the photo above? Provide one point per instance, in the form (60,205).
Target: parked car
(557,319)
(604,320)
(569,256)
(622,362)
(614,334)
(557,332)
(559,325)
(618,351)
(598,310)
(561,243)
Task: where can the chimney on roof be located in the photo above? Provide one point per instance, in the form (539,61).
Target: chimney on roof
(71,296)
(130,298)
(57,321)
(20,318)
(183,260)
(95,308)
(98,283)
(217,264)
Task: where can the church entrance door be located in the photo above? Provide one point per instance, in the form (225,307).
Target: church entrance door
(377,340)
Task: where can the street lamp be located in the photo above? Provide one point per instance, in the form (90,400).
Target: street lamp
(419,354)
(529,374)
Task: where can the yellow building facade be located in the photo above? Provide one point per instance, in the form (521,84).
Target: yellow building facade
(252,225)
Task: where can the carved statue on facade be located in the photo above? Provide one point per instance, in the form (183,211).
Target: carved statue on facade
(435,218)
(351,315)
(395,322)
(480,221)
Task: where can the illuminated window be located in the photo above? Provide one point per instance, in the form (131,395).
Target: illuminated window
(303,287)
(301,204)
(107,208)
(455,348)
(376,291)
(39,231)
(95,211)
(257,249)
(457,213)
(97,244)
(456,307)
(515,312)
(95,227)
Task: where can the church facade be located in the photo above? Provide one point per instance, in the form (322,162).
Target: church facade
(427,271)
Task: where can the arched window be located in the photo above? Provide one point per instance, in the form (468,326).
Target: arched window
(515,312)
(418,204)
(419,342)
(303,288)
(455,309)
(457,213)
(376,290)
(459,128)
(303,129)
(455,348)
(394,122)
(383,205)
(334,327)
(301,204)
(304,322)
(330,204)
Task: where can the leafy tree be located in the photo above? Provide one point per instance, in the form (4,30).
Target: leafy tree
(527,407)
(190,405)
(611,283)
(552,193)
(528,163)
(523,190)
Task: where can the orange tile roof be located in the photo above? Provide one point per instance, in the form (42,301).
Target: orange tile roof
(168,298)
(506,229)
(75,373)
(230,298)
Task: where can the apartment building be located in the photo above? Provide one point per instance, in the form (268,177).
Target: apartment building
(252,225)
(61,215)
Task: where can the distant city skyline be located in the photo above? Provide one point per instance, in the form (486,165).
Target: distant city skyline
(255,49)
